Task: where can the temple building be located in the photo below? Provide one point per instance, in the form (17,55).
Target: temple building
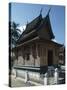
(36,51)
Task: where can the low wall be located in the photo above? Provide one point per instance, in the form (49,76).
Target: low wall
(32,75)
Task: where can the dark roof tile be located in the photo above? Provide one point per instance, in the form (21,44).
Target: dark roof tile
(36,24)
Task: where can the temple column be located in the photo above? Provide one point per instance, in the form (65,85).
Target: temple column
(37,50)
(32,58)
(37,59)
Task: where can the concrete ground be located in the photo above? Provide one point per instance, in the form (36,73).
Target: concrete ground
(17,82)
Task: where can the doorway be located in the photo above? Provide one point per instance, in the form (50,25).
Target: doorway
(50,57)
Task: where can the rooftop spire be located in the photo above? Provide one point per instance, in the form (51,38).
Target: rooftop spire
(41,11)
(49,11)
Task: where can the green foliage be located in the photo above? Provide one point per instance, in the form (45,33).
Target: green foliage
(14,33)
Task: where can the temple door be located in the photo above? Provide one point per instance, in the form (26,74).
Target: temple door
(50,57)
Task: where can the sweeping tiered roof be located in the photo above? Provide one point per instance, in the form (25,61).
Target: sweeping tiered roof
(34,28)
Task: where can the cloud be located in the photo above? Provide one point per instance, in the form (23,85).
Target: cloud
(54,40)
(22,28)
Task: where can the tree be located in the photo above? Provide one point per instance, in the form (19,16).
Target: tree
(15,33)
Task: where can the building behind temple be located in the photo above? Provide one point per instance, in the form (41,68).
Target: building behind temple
(36,51)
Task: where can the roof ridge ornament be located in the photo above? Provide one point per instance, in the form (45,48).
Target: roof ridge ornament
(49,11)
(41,11)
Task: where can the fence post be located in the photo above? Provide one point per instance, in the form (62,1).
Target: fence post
(26,76)
(56,76)
(45,79)
(15,73)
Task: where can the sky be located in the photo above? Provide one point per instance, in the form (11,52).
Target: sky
(22,14)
